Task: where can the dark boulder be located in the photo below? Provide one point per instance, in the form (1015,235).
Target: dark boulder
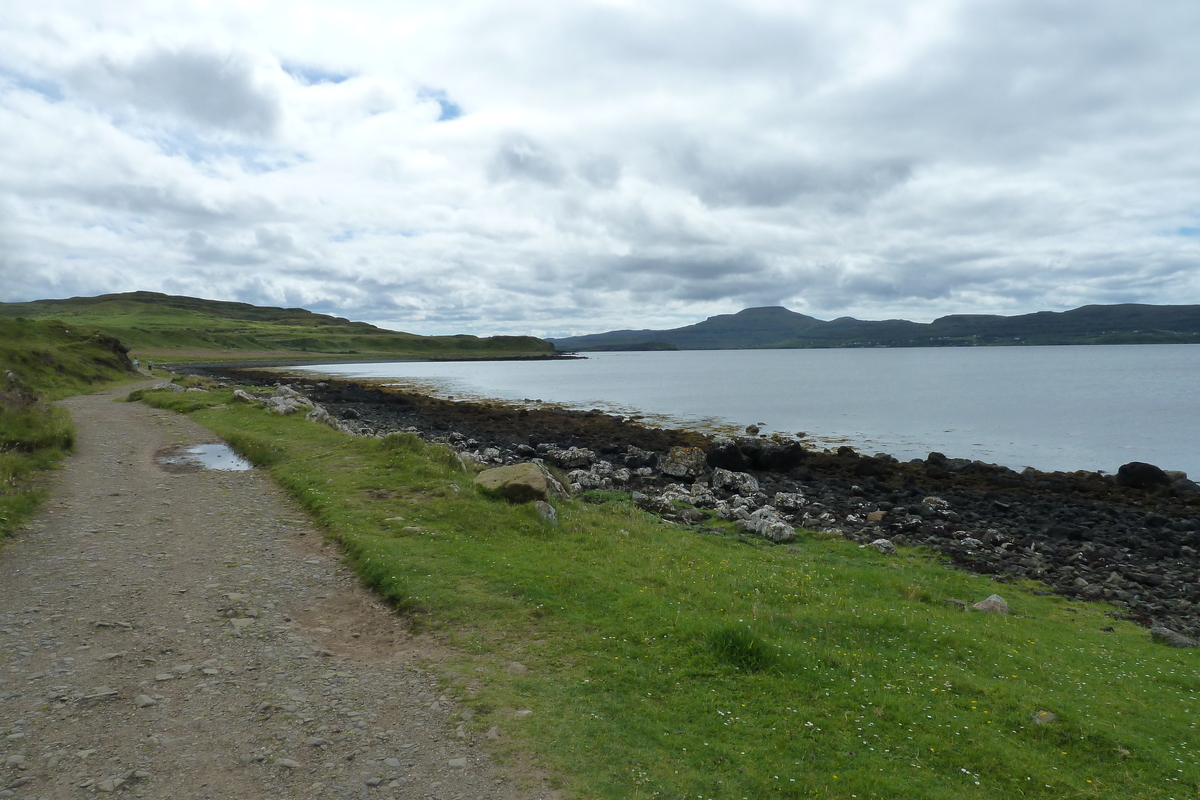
(743,455)
(1140,475)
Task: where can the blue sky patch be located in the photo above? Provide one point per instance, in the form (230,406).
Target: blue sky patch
(312,76)
(253,159)
(46,88)
(449,109)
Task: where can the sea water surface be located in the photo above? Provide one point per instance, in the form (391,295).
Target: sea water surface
(1054,408)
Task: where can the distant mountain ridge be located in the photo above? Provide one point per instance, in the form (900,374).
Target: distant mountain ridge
(775,327)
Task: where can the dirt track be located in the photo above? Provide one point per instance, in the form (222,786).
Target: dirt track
(189,635)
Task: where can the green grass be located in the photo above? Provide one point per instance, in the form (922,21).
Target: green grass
(57,360)
(158,326)
(54,361)
(667,662)
(30,441)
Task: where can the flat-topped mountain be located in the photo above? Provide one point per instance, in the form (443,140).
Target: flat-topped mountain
(777,327)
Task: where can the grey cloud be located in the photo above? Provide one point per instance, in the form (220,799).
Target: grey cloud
(521,158)
(1018,80)
(163,201)
(201,247)
(683,277)
(688,267)
(677,42)
(600,171)
(276,241)
(754,175)
(217,91)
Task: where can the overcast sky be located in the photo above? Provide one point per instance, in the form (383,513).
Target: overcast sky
(524,166)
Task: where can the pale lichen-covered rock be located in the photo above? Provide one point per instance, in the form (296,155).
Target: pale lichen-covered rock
(993,604)
(767,523)
(323,417)
(546,511)
(520,483)
(884,546)
(572,458)
(738,482)
(587,480)
(790,502)
(684,462)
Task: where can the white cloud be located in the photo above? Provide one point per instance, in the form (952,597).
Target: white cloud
(561,168)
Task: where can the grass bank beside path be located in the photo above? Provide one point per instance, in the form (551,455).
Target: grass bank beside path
(51,361)
(655,661)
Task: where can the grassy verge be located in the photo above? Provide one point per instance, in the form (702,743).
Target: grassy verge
(31,440)
(664,662)
(52,361)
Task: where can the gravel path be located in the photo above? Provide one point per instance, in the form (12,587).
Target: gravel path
(190,635)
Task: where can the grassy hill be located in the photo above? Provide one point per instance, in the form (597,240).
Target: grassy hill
(777,327)
(159,326)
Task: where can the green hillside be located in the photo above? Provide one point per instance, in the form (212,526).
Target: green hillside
(777,327)
(41,360)
(160,326)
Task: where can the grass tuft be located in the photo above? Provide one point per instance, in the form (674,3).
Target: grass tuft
(401,443)
(740,647)
(258,450)
(913,591)
(35,428)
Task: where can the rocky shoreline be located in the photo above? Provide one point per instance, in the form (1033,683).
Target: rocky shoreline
(1132,539)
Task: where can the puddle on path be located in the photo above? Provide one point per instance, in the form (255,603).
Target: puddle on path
(184,458)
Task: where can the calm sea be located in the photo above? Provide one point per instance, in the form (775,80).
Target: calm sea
(1053,408)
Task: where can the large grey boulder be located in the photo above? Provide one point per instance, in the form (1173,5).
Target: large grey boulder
(737,482)
(1165,635)
(993,604)
(520,483)
(767,523)
(684,462)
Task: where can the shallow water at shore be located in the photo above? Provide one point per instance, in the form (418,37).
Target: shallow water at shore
(1063,408)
